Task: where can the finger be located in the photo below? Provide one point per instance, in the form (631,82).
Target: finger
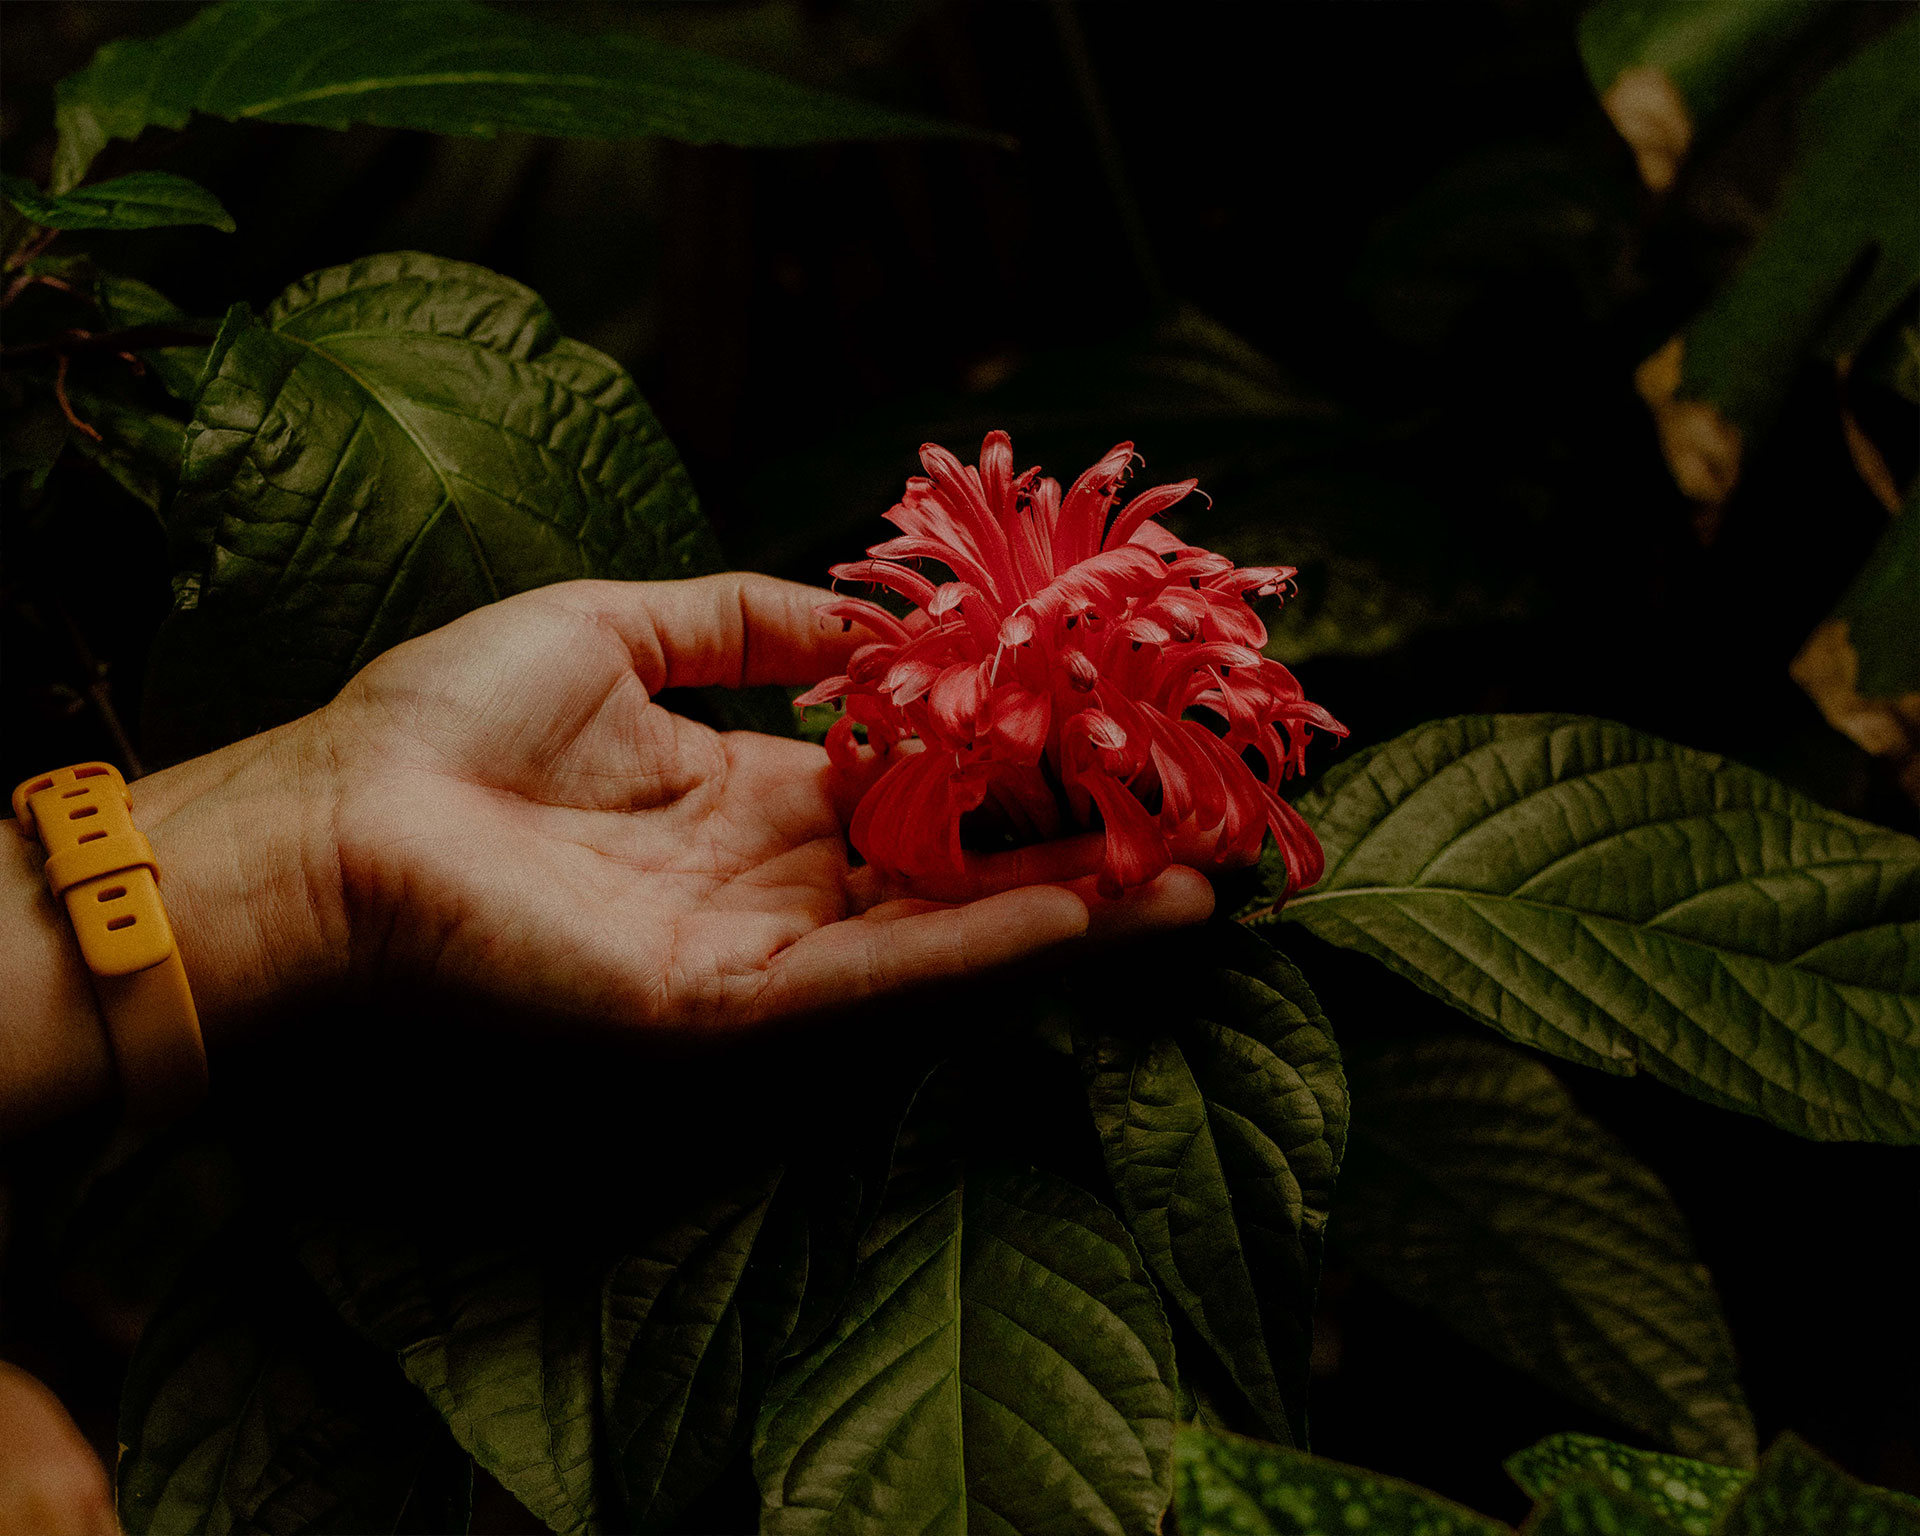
(1177,898)
(861,958)
(987,874)
(50,1480)
(735,630)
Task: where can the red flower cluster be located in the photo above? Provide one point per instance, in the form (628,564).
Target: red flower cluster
(1083,660)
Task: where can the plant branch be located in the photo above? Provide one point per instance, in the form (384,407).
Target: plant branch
(116,343)
(66,405)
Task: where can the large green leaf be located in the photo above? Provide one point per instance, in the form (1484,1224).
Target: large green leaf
(447,66)
(1216,1087)
(1627,903)
(504,1343)
(139,200)
(695,1321)
(1002,1364)
(249,1407)
(1882,612)
(1840,253)
(1665,68)
(1689,1495)
(1475,1188)
(1797,1489)
(1226,1486)
(402,439)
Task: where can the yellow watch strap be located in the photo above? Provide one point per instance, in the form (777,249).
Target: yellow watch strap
(100,866)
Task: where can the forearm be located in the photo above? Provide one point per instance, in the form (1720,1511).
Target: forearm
(242,838)
(53,1049)
(248,871)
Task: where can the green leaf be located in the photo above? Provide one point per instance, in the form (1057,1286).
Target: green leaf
(694,1323)
(1840,253)
(402,440)
(1227,1486)
(1689,1495)
(1797,1489)
(504,1343)
(1587,1506)
(1882,613)
(250,1407)
(1223,1117)
(1475,1188)
(139,448)
(446,66)
(1664,69)
(1001,1364)
(32,434)
(125,302)
(139,200)
(1628,904)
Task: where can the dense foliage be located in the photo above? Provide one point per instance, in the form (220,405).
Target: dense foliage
(1048,1260)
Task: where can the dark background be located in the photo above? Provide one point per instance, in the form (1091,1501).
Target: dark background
(1419,213)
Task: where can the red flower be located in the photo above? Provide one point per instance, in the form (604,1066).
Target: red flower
(1083,668)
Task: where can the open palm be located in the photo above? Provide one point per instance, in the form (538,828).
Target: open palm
(521,822)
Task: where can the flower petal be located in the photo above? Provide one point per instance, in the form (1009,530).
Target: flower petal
(909,583)
(1083,514)
(825,692)
(1136,849)
(1133,516)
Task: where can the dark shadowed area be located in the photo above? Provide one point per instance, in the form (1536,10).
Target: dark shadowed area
(1380,276)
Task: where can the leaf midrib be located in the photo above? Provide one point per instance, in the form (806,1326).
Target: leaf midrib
(1834,1111)
(682,1396)
(370,84)
(1510,1244)
(399,420)
(1582,914)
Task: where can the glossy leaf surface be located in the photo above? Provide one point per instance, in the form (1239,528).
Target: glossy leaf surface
(250,1407)
(1222,1112)
(1227,1486)
(1476,1188)
(446,66)
(1630,904)
(138,200)
(1002,1364)
(397,441)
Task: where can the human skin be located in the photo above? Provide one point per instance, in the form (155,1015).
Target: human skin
(500,810)
(51,1483)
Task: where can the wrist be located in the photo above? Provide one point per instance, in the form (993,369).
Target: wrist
(249,872)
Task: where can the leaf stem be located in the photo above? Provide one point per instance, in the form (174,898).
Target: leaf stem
(66,405)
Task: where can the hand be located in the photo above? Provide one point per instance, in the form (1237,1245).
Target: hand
(509,815)
(50,1480)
